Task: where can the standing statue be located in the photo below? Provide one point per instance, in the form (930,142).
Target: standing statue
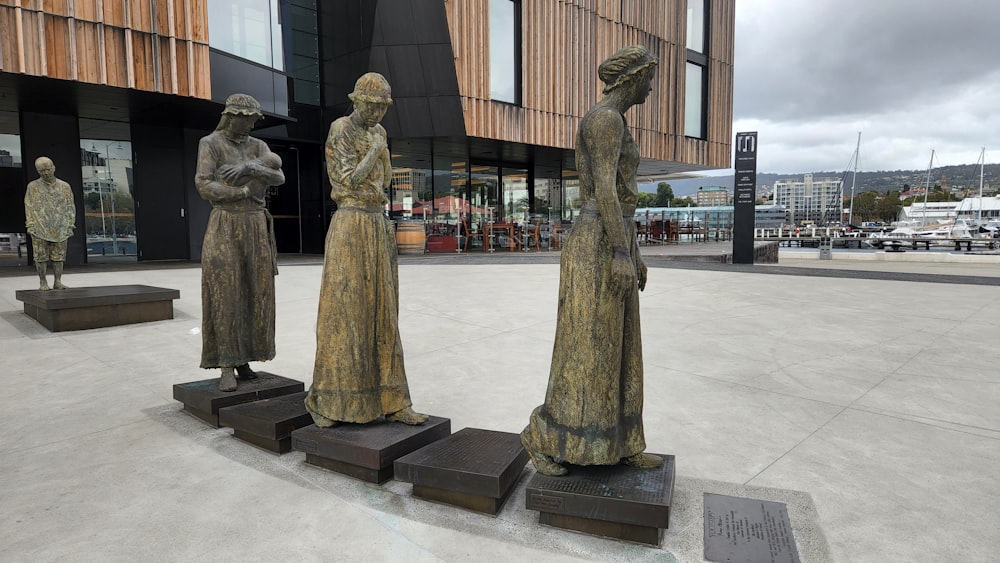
(50,216)
(359,375)
(238,256)
(593,405)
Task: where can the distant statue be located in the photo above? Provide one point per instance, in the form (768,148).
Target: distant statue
(359,375)
(238,257)
(593,406)
(50,219)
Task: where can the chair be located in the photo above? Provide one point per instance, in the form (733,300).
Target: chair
(470,234)
(530,233)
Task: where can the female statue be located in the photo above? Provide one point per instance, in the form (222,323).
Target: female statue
(238,256)
(593,406)
(358,374)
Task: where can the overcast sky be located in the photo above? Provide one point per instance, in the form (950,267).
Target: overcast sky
(911,75)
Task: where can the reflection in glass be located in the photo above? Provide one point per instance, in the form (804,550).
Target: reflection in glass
(696,25)
(249,29)
(515,195)
(108,204)
(13,241)
(693,99)
(571,195)
(503,51)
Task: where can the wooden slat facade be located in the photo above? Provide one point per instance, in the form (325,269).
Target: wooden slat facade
(152,45)
(564,42)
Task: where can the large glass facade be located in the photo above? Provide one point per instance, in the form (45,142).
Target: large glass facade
(696,72)
(108,188)
(250,29)
(694,95)
(505,50)
(696,25)
(302,49)
(13,240)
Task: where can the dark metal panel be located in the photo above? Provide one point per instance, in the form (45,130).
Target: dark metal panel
(395,18)
(234,75)
(405,73)
(198,209)
(161,214)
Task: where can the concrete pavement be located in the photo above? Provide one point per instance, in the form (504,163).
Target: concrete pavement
(870,406)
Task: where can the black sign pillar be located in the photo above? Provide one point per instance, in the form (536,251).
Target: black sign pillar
(745,195)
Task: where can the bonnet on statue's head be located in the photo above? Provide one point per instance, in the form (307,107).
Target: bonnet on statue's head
(242,104)
(624,66)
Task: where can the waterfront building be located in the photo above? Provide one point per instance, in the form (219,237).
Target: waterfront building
(712,195)
(810,200)
(932,213)
(488,95)
(974,208)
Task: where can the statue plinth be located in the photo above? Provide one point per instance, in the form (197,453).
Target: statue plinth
(473,469)
(366,451)
(203,399)
(614,501)
(268,424)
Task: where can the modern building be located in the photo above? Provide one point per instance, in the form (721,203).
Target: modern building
(488,95)
(810,200)
(712,195)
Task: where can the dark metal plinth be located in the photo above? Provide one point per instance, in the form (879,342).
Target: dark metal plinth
(366,451)
(474,469)
(203,398)
(616,501)
(269,423)
(81,308)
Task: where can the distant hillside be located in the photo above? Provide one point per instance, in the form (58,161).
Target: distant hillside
(965,175)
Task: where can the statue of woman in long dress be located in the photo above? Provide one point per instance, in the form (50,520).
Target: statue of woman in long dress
(358,374)
(238,256)
(593,406)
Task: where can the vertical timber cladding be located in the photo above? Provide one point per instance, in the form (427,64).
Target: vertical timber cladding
(153,45)
(563,43)
(744,198)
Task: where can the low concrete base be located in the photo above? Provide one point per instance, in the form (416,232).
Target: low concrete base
(203,398)
(615,501)
(473,469)
(81,308)
(366,451)
(268,424)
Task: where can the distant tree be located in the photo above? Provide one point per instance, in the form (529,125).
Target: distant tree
(684,202)
(645,200)
(664,195)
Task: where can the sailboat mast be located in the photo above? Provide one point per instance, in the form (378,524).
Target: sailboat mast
(982,166)
(854,178)
(927,189)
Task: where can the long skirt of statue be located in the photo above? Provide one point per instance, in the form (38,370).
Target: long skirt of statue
(593,405)
(358,374)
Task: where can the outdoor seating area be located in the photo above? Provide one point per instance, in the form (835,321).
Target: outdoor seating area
(504,236)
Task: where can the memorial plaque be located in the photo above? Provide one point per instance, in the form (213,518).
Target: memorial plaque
(268,423)
(473,468)
(203,398)
(610,500)
(743,530)
(366,451)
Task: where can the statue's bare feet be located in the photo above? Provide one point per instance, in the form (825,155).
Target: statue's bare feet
(643,461)
(227,382)
(244,372)
(322,421)
(59,285)
(407,416)
(544,464)
(44,286)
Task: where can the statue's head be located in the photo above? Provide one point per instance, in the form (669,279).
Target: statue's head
(45,167)
(372,97)
(241,113)
(630,67)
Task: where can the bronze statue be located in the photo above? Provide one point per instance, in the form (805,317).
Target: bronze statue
(238,257)
(50,216)
(593,405)
(358,375)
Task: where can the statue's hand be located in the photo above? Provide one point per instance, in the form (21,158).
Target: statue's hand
(377,143)
(622,273)
(640,272)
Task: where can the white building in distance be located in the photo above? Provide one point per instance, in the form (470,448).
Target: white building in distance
(810,200)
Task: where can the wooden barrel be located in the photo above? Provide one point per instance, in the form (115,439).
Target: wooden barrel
(410,237)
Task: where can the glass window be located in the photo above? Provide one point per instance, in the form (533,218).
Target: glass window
(505,67)
(250,29)
(572,202)
(13,239)
(108,206)
(515,195)
(696,25)
(694,96)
